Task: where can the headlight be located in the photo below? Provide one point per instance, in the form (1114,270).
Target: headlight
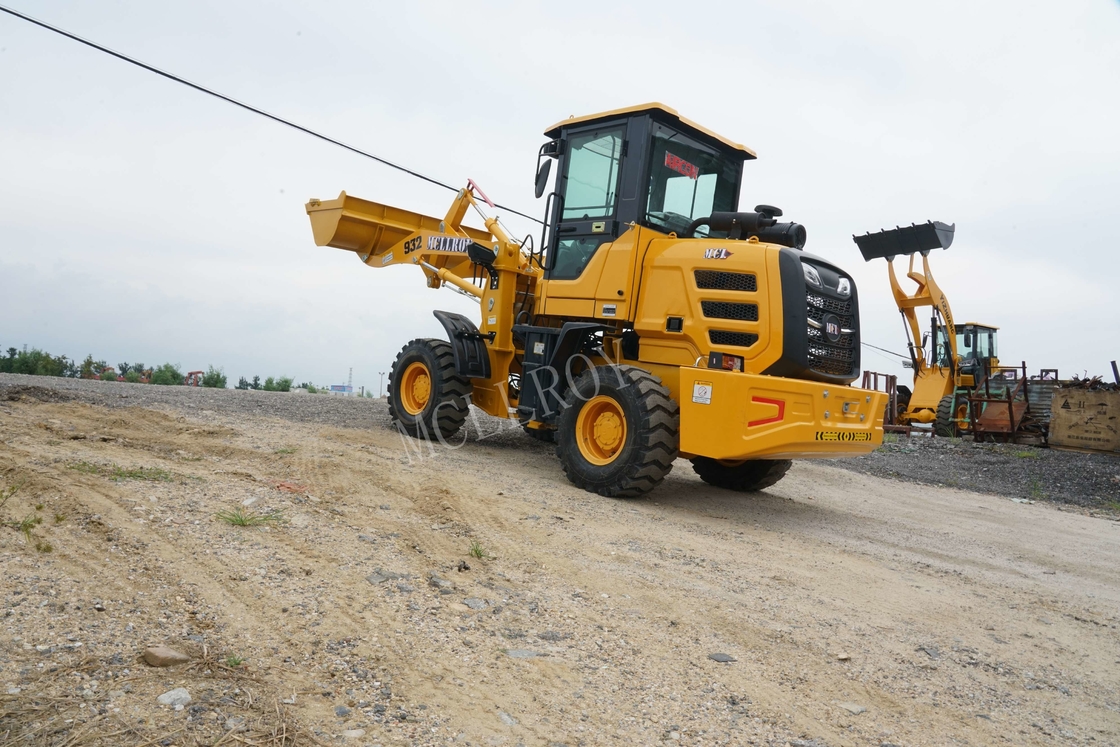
(844,287)
(812,277)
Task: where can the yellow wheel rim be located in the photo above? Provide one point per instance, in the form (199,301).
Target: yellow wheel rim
(962,417)
(416,388)
(601,430)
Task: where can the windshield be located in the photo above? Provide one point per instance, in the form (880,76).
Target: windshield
(688,180)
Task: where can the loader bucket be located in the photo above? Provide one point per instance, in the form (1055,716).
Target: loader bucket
(370,228)
(905,240)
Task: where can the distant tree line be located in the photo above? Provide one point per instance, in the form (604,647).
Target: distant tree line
(282,384)
(35,362)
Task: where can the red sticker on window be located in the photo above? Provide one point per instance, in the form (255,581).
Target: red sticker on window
(681,166)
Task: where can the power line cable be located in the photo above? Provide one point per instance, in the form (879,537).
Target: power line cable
(243,105)
(883,349)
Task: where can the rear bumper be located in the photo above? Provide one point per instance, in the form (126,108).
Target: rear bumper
(735,416)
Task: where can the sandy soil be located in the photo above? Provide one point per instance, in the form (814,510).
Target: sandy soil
(858,610)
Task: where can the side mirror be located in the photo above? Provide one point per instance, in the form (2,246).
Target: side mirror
(542,177)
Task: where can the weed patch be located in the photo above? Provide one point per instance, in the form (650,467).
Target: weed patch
(117,473)
(478,551)
(242,518)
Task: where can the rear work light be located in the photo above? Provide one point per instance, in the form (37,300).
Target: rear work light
(725,361)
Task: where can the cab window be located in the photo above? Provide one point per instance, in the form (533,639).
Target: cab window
(688,180)
(591,188)
(572,255)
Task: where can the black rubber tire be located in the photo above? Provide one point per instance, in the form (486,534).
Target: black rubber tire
(545,435)
(902,397)
(944,425)
(749,477)
(652,432)
(449,402)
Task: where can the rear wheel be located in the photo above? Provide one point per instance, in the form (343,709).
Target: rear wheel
(945,425)
(427,398)
(746,477)
(618,434)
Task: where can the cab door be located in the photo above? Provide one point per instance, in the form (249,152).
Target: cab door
(586,217)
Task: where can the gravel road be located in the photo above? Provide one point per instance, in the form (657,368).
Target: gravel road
(837,608)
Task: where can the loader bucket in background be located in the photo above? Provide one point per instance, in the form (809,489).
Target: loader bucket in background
(910,239)
(367,227)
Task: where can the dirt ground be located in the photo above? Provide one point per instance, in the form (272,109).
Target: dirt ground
(856,610)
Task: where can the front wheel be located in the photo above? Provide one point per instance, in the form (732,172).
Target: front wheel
(945,425)
(618,433)
(745,477)
(427,398)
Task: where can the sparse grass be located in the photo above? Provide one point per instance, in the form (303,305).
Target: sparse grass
(478,551)
(248,518)
(27,525)
(286,450)
(117,473)
(1034,490)
(87,468)
(890,438)
(7,493)
(1025,454)
(44,546)
(233,661)
(38,506)
(59,518)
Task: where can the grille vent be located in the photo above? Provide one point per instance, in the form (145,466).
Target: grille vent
(743,312)
(733,339)
(826,357)
(719,280)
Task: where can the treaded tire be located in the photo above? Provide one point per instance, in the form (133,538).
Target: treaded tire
(749,477)
(944,425)
(652,432)
(449,401)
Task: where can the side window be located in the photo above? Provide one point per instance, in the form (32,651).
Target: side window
(591,189)
(572,255)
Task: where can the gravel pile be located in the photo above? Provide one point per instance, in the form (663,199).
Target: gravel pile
(1024,472)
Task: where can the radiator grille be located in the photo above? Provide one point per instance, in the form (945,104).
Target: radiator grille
(827,357)
(719,280)
(744,312)
(733,339)
(831,305)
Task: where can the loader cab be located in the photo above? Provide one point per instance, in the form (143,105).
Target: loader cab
(643,166)
(977,347)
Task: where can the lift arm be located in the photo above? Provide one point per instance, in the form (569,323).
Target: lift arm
(911,240)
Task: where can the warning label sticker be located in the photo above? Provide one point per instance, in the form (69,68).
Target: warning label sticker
(702,392)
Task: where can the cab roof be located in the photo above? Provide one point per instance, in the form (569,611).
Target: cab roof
(666,113)
(980,324)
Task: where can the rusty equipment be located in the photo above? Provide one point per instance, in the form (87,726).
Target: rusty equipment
(193,378)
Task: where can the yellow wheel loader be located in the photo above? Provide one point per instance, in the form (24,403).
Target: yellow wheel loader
(948,361)
(652,321)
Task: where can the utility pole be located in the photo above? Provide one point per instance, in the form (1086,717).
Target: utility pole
(350,384)
(381,385)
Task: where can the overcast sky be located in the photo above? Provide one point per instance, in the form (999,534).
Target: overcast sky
(140,220)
